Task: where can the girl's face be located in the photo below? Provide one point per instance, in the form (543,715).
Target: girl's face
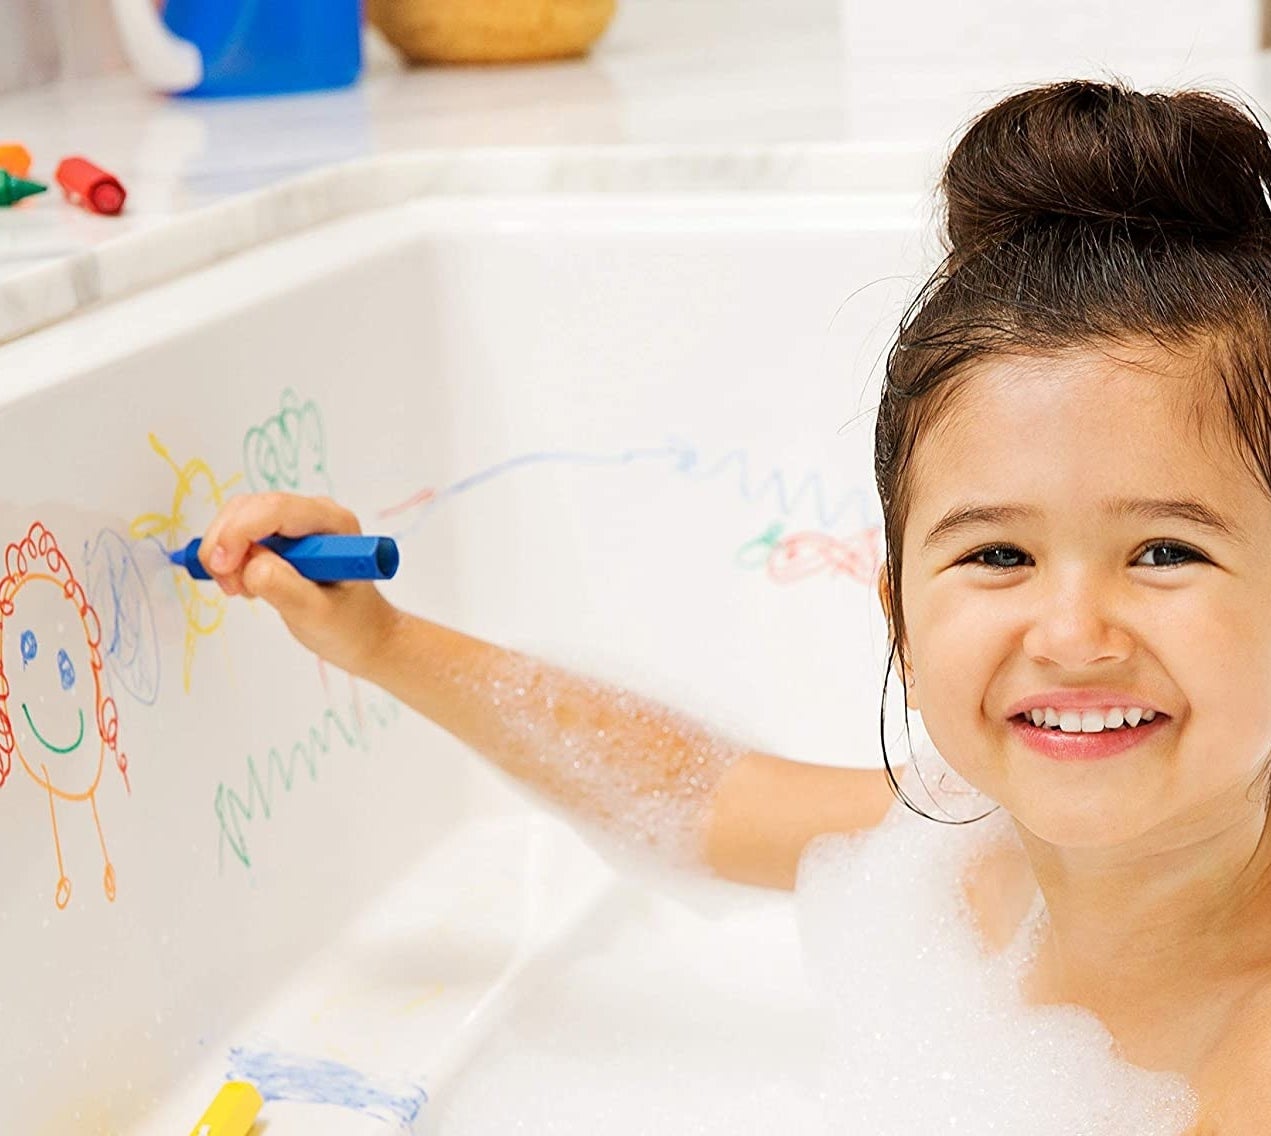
(1080,595)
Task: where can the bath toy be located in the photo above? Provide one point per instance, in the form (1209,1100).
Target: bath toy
(322,557)
(219,48)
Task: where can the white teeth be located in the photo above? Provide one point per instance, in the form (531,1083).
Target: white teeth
(1089,721)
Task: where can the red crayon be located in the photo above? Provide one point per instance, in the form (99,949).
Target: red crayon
(87,185)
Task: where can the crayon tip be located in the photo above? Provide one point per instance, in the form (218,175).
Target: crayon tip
(14,189)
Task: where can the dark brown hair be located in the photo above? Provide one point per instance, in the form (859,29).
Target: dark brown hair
(1085,213)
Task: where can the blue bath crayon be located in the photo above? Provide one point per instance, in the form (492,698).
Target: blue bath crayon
(325,557)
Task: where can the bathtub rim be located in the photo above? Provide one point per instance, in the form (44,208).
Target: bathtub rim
(115,328)
(52,292)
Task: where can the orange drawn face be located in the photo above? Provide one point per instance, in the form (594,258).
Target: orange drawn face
(52,710)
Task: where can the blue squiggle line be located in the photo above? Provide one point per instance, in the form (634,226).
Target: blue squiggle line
(315,1080)
(544,457)
(624,457)
(684,460)
(813,485)
(117,591)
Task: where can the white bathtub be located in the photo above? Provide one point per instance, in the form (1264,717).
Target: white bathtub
(632,435)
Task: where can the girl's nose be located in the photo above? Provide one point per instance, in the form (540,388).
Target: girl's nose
(1077,624)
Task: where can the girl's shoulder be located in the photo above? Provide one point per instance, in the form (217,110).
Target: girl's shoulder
(1235,1084)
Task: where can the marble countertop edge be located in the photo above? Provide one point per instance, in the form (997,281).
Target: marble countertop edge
(156,249)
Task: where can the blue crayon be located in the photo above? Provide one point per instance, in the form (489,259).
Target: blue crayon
(324,557)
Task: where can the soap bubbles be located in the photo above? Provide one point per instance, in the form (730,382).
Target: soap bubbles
(883,1014)
(930,1031)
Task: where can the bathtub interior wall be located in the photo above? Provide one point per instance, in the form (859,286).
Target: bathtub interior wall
(631,436)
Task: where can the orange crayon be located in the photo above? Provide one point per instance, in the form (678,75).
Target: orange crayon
(15,159)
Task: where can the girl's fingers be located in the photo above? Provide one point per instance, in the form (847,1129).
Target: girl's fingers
(269,577)
(248,518)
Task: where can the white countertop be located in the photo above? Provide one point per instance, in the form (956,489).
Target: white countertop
(678,95)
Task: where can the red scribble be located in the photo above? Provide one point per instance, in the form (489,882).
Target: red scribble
(420,498)
(803,554)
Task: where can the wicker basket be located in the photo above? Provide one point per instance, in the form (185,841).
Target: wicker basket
(490,31)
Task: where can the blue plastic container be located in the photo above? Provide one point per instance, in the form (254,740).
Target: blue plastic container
(264,47)
(216,48)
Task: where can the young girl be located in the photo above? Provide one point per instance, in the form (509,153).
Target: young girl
(1073,455)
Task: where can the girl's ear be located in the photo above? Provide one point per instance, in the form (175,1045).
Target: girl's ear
(884,598)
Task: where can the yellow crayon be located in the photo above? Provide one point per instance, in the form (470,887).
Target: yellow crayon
(232,1113)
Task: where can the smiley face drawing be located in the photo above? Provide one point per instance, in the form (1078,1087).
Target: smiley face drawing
(53,712)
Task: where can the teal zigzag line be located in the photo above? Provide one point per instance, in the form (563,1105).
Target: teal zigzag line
(232,811)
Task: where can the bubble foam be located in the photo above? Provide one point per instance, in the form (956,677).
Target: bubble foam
(931,1032)
(909,1026)
(634,777)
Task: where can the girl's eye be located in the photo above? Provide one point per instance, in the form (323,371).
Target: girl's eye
(975,557)
(1187,554)
(1184,554)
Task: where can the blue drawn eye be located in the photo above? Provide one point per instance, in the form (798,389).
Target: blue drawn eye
(65,669)
(29,646)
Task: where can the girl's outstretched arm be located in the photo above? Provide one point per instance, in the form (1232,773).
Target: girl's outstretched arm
(647,777)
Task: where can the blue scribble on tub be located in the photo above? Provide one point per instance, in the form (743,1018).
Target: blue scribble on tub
(117,590)
(316,1080)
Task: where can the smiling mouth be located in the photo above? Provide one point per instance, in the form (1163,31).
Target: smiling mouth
(49,745)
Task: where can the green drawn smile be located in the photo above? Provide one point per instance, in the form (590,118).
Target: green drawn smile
(50,745)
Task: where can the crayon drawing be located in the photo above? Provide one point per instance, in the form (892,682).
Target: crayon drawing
(281,767)
(788,559)
(54,713)
(117,589)
(202,602)
(316,1080)
(288,451)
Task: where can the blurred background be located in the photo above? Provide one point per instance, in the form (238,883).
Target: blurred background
(43,41)
(223,97)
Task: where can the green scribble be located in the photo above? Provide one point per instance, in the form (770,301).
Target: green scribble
(262,792)
(755,553)
(288,451)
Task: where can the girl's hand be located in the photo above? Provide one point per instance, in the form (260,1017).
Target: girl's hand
(345,623)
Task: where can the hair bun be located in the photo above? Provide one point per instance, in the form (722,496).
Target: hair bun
(1098,154)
